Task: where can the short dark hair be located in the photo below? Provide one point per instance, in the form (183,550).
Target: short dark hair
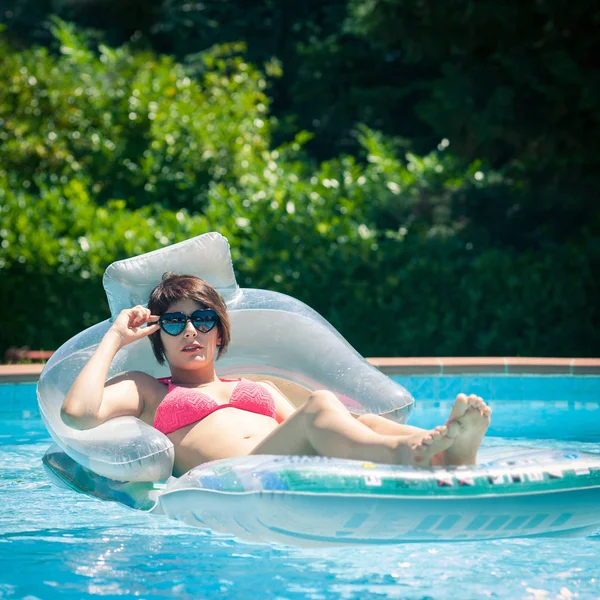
(173,288)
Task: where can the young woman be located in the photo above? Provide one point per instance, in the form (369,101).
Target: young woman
(207,418)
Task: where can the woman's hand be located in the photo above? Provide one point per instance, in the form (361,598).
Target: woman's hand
(129,325)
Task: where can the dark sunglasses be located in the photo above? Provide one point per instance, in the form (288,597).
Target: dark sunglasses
(203,321)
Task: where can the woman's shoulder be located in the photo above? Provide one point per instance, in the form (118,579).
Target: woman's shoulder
(148,387)
(137,377)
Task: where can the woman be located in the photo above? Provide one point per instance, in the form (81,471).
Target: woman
(207,418)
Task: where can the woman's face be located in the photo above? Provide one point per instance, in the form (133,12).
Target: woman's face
(190,349)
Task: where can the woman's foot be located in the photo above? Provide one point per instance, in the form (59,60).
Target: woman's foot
(472,415)
(419,449)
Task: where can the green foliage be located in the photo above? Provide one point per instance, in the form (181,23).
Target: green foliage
(330,80)
(55,246)
(143,128)
(109,153)
(516,83)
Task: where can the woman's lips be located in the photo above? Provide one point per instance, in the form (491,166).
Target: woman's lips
(191,348)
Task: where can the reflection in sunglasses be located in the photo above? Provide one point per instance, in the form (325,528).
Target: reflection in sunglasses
(202,320)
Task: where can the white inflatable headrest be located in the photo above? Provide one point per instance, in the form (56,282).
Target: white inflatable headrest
(129,282)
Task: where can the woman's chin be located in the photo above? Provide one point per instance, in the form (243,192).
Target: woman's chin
(191,361)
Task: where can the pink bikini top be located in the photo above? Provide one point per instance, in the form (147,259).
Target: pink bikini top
(184,406)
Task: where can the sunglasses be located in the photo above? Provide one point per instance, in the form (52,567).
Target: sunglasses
(203,321)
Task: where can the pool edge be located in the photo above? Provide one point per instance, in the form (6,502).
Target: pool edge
(513,365)
(390,366)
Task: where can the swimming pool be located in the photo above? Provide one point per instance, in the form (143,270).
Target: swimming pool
(55,543)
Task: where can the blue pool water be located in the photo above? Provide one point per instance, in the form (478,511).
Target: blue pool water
(58,544)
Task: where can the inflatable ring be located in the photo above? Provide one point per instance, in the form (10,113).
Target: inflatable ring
(298,500)
(513,492)
(270,337)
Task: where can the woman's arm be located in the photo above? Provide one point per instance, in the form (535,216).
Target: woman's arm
(91,400)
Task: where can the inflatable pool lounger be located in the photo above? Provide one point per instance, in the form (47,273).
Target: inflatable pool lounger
(303,500)
(514,492)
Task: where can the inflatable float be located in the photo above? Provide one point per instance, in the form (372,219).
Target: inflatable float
(512,492)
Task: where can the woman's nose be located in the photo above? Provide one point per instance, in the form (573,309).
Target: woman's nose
(190,330)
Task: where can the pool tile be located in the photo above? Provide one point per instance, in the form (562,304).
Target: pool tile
(25,397)
(474,368)
(585,366)
(550,369)
(481,386)
(7,397)
(448,387)
(507,388)
(422,388)
(549,389)
(587,389)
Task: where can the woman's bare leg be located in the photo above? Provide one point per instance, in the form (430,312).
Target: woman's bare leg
(323,426)
(470,412)
(385,426)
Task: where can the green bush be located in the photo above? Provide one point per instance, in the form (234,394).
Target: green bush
(379,245)
(143,128)
(515,84)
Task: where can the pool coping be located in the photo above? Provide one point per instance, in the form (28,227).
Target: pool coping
(506,365)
